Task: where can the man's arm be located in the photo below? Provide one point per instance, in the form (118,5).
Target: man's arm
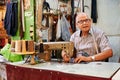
(103,55)
(98,57)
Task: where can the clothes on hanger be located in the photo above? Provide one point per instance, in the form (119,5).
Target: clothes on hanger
(11,18)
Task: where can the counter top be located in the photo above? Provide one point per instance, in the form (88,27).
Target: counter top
(95,69)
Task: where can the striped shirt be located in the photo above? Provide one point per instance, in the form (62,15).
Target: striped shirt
(86,44)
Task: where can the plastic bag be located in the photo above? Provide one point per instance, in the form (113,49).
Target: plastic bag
(65,29)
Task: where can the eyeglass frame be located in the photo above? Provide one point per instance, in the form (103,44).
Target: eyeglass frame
(82,21)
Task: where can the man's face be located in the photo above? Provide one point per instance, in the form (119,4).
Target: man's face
(83,22)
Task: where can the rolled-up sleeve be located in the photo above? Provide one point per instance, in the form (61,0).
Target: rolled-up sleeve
(104,42)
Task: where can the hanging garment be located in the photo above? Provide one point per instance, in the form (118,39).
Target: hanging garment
(11,18)
(65,25)
(94,14)
(46,6)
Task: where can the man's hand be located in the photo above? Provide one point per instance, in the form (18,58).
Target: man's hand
(65,56)
(82,58)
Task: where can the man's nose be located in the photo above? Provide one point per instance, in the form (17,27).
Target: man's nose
(84,22)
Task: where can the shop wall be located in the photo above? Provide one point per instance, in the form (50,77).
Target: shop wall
(109,21)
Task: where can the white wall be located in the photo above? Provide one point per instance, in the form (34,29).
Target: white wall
(109,21)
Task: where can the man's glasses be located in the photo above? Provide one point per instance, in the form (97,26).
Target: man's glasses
(82,21)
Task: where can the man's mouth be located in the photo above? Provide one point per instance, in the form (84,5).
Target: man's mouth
(85,26)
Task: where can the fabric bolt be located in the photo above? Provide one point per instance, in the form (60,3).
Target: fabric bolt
(18,46)
(30,46)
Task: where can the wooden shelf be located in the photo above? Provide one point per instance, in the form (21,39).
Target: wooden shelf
(24,53)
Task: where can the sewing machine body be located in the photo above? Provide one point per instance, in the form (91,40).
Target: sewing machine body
(67,46)
(49,46)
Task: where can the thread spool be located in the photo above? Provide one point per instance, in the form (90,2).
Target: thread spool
(30,46)
(13,46)
(23,46)
(18,46)
(47,55)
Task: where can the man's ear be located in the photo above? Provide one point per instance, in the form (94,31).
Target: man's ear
(76,24)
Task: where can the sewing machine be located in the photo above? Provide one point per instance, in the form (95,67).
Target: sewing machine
(49,46)
(44,51)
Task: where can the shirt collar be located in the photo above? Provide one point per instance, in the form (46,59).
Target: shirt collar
(81,32)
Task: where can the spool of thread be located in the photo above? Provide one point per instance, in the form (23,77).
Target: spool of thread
(24,46)
(30,46)
(47,56)
(18,46)
(13,46)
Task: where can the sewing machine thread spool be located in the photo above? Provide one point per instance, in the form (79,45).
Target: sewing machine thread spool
(13,46)
(30,46)
(18,46)
(23,46)
(47,55)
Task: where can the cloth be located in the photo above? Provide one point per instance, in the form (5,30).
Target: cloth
(86,44)
(8,55)
(46,6)
(94,14)
(11,18)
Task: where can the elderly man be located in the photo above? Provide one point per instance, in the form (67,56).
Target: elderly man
(91,44)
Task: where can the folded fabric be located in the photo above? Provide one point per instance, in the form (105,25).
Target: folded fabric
(8,55)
